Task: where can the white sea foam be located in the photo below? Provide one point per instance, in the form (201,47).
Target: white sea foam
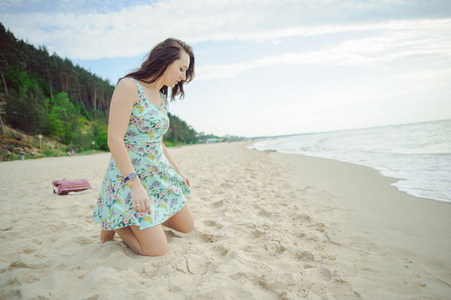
(417,154)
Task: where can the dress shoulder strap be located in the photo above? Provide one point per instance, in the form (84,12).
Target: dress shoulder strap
(165,102)
(136,82)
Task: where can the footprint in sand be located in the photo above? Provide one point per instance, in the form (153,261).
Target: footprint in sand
(217,203)
(31,248)
(25,265)
(210,223)
(258,233)
(263,212)
(274,248)
(226,185)
(84,240)
(305,256)
(197,265)
(207,237)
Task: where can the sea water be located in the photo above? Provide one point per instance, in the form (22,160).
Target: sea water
(419,155)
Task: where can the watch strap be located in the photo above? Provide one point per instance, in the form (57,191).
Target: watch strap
(130,176)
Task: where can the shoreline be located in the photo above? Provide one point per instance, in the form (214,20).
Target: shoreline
(391,150)
(268,225)
(393,180)
(381,219)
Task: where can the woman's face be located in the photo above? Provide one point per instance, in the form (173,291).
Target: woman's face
(176,71)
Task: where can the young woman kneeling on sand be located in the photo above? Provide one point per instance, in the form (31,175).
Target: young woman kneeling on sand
(143,188)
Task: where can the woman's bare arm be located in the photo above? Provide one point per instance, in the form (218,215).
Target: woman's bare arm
(177,169)
(124,98)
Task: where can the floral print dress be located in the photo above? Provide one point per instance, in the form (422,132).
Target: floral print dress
(165,187)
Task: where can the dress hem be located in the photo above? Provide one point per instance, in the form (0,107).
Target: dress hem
(97,220)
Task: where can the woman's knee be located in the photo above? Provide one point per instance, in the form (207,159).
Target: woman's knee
(188,226)
(180,223)
(156,251)
(160,250)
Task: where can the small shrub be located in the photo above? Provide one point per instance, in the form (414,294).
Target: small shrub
(13,134)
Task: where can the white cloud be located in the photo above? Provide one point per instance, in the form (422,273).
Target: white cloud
(425,75)
(397,41)
(134,30)
(7,4)
(399,58)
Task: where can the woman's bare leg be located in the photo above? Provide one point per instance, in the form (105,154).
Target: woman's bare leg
(182,221)
(149,242)
(107,235)
(152,241)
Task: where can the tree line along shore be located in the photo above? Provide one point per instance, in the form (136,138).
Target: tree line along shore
(51,107)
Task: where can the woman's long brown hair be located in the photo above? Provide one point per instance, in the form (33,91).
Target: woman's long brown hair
(159,58)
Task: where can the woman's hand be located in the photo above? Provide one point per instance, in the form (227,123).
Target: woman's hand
(172,162)
(140,199)
(186,179)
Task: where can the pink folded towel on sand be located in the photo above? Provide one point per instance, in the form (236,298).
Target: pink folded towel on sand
(64,187)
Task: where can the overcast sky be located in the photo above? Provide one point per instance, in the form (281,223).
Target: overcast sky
(266,67)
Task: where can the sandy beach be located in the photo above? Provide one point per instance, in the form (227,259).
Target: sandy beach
(267,226)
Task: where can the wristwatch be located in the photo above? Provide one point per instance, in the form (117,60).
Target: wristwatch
(130,176)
